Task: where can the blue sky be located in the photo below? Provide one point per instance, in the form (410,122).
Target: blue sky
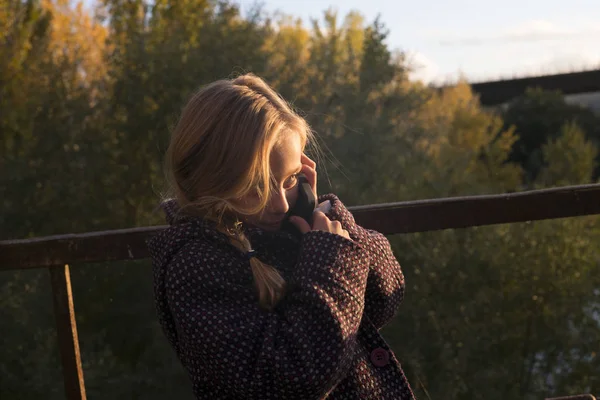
(482,39)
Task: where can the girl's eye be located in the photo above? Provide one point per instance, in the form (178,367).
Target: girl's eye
(290,182)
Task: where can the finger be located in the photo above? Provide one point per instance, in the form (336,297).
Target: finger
(300,223)
(311,176)
(305,160)
(320,221)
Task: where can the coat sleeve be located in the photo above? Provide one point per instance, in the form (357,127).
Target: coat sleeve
(385,285)
(301,350)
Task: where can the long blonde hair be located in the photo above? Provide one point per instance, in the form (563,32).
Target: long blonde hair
(219,152)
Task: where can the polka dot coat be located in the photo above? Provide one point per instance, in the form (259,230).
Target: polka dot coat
(320,342)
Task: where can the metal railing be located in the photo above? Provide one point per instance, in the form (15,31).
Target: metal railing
(57,252)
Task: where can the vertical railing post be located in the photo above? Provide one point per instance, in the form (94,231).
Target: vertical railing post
(66,329)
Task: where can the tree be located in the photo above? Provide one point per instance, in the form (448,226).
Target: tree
(88,100)
(539,116)
(501,306)
(45,101)
(568,159)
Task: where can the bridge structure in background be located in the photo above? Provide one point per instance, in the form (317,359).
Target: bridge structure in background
(578,87)
(56,252)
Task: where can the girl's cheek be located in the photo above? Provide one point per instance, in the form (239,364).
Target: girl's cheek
(292,196)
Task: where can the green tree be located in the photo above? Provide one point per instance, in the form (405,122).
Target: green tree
(23,39)
(569,159)
(45,103)
(87,103)
(506,306)
(539,116)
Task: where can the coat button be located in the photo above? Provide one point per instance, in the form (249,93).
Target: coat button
(380,357)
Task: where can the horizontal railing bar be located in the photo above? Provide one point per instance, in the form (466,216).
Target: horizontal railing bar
(113,245)
(471,211)
(576,397)
(391,218)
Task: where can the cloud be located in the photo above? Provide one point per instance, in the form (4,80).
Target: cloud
(566,60)
(537,27)
(423,68)
(529,31)
(539,61)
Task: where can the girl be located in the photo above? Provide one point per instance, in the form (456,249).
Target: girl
(254,311)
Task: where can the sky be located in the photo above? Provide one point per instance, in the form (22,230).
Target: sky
(477,39)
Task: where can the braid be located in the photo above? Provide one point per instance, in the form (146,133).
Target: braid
(269,283)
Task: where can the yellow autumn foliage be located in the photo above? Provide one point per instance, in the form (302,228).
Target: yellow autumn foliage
(77,39)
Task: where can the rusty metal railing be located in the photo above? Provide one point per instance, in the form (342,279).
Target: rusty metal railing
(57,252)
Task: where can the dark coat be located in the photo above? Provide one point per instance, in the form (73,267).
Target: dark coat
(321,341)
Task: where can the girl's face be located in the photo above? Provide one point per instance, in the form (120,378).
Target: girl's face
(286,161)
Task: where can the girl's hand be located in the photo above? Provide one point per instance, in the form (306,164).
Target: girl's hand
(320,220)
(309,168)
(320,223)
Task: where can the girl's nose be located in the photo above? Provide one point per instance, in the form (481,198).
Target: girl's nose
(279,203)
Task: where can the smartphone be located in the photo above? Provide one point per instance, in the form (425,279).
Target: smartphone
(304,207)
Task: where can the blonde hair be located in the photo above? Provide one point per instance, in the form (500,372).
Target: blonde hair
(219,152)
